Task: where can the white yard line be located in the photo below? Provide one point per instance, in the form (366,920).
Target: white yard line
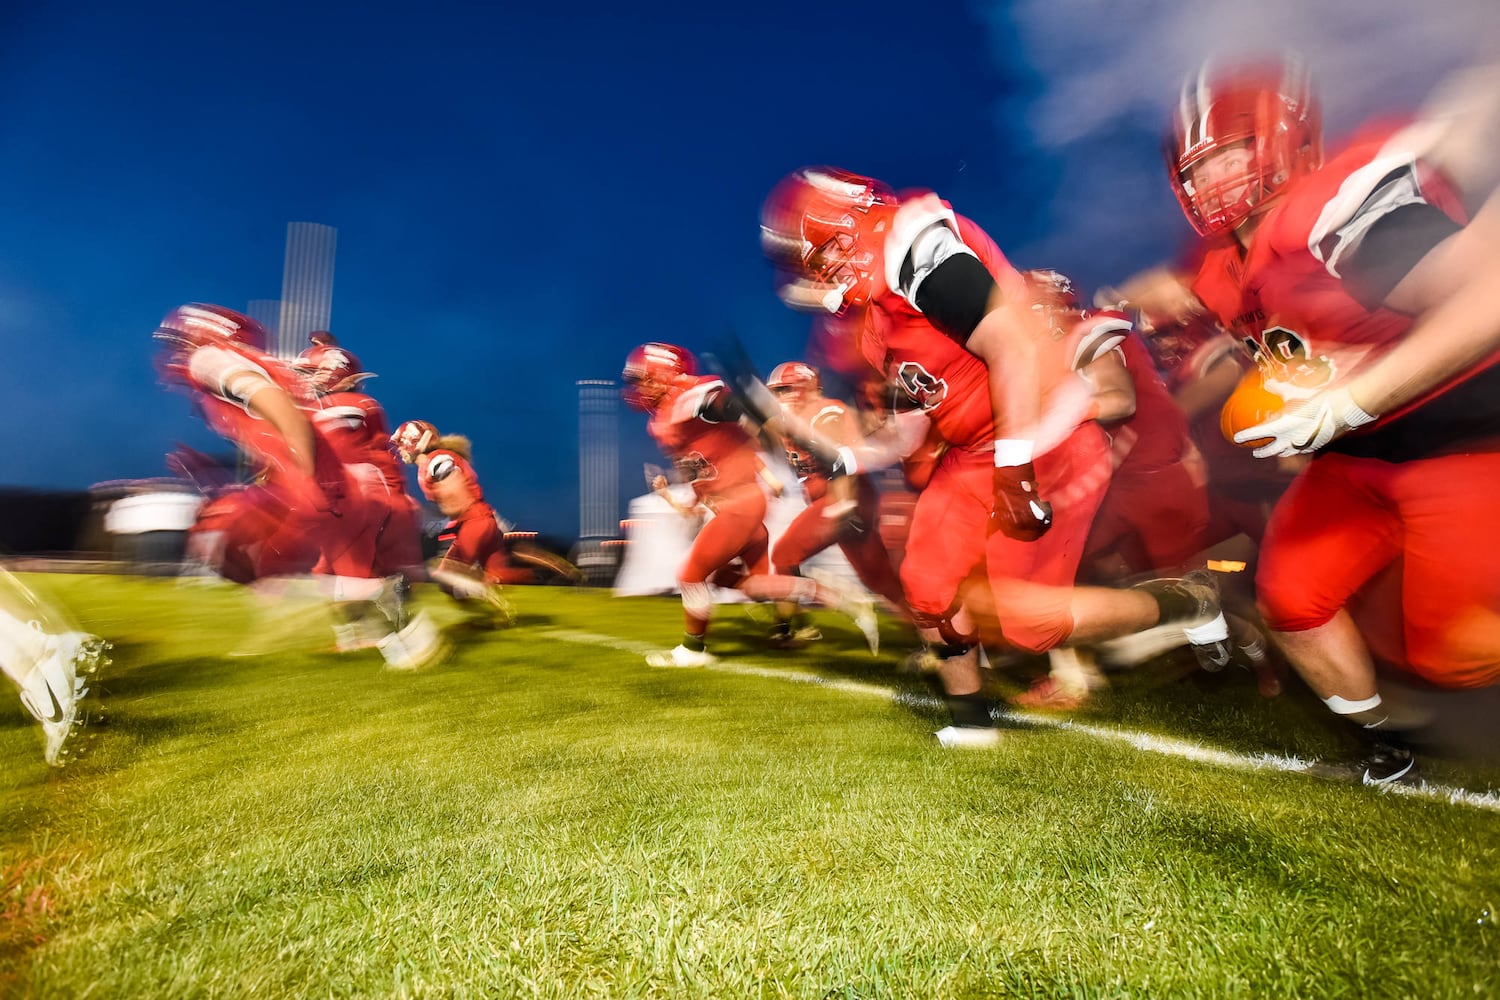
(1149,742)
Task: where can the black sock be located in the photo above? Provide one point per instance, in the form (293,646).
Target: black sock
(693,642)
(971,710)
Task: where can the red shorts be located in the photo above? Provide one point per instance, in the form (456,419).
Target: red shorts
(1157,518)
(474,541)
(252,532)
(1344,520)
(1033,581)
(858,537)
(736,531)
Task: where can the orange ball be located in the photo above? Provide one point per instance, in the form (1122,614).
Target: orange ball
(1251,403)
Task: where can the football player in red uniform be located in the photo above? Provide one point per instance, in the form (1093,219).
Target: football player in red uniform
(942,314)
(304,506)
(845,514)
(248,396)
(472,564)
(354,423)
(696,421)
(1369,306)
(1156,509)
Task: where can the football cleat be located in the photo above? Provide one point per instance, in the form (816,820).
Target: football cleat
(681,656)
(414,647)
(67,661)
(1205,627)
(868,623)
(968,737)
(1388,764)
(1049,694)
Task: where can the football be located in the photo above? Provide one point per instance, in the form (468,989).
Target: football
(1249,404)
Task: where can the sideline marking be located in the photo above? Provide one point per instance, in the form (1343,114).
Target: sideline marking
(1148,742)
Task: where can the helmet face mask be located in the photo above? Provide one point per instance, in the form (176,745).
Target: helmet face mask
(1240,134)
(794,383)
(822,228)
(330,369)
(650,372)
(414,438)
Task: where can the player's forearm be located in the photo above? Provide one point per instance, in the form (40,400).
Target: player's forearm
(273,405)
(1002,341)
(1112,405)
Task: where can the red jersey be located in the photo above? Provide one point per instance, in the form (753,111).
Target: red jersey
(832,419)
(1287,298)
(208,372)
(446,478)
(715,456)
(1158,426)
(355,425)
(936,373)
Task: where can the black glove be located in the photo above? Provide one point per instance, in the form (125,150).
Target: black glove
(1019,510)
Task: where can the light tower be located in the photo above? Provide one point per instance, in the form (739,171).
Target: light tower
(306,284)
(598,479)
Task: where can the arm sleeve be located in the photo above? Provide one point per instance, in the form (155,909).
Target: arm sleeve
(1391,247)
(1378,225)
(720,406)
(214,368)
(956,295)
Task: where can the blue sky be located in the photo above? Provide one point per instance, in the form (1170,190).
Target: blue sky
(523,197)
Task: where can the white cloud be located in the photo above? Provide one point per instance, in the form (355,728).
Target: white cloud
(1103,67)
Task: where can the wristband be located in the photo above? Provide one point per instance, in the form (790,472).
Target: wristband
(1351,413)
(1012,452)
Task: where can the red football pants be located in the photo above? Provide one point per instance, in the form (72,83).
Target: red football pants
(1345,519)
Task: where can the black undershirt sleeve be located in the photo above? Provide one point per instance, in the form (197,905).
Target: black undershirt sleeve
(1391,248)
(721,406)
(956,295)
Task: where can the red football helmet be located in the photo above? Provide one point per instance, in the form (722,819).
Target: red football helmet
(795,382)
(197,324)
(1267,111)
(650,371)
(330,369)
(413,438)
(824,229)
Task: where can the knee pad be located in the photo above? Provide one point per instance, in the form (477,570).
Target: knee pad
(955,643)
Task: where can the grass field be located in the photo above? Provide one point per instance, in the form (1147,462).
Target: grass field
(546,816)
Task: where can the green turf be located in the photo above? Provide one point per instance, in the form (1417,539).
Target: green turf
(550,818)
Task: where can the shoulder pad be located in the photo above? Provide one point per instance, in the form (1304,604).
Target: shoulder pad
(914,217)
(1097,335)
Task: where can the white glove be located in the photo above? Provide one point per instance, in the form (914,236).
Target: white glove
(1306,426)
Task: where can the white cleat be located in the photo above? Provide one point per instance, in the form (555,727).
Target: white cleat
(968,737)
(414,647)
(681,656)
(65,665)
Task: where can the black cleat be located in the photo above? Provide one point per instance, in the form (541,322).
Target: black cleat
(1389,765)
